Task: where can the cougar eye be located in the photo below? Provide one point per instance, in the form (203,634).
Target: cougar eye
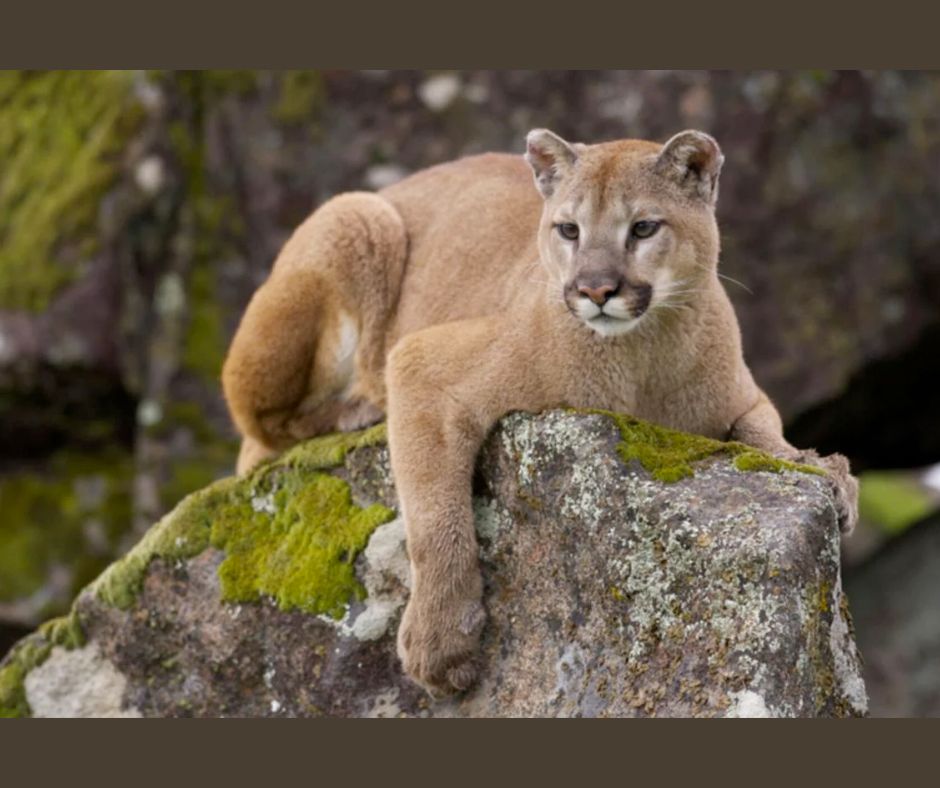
(644,229)
(568,231)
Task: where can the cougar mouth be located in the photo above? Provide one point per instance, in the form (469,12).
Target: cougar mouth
(616,315)
(608,325)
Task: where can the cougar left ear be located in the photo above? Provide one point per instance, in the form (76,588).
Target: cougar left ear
(550,157)
(693,160)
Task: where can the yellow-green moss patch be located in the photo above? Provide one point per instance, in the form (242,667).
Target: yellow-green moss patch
(61,133)
(295,541)
(288,530)
(330,450)
(753,460)
(669,455)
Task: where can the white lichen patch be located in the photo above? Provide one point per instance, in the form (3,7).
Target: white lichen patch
(748,703)
(387,557)
(385,704)
(264,503)
(77,683)
(490,518)
(533,442)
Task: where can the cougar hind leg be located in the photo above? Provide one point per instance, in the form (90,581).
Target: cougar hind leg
(308,354)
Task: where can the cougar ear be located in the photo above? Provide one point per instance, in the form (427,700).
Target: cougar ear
(693,160)
(550,157)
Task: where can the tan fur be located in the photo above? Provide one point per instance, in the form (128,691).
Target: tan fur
(460,301)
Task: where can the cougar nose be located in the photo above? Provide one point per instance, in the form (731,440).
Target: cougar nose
(600,294)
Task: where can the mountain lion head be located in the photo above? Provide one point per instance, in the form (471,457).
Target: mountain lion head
(628,227)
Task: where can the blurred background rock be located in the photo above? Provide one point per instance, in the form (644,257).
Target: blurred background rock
(140,210)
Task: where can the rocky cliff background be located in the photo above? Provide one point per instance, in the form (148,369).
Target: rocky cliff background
(139,210)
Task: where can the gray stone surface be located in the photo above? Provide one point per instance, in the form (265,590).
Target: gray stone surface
(608,593)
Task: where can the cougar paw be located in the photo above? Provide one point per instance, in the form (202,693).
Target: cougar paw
(845,489)
(438,645)
(844,486)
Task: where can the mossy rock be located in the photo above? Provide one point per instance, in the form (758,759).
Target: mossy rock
(670,455)
(609,591)
(61,137)
(290,532)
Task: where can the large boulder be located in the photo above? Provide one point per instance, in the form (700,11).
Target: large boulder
(629,570)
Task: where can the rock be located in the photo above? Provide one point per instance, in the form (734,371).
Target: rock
(894,598)
(609,592)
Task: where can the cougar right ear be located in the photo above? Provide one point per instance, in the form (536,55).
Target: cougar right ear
(550,157)
(693,160)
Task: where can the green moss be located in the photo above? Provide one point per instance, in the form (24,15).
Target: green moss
(65,631)
(301,554)
(71,514)
(289,531)
(330,450)
(60,136)
(25,656)
(182,534)
(752,460)
(669,455)
(30,653)
(892,500)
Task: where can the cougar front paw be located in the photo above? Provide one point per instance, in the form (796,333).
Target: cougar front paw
(438,644)
(844,485)
(845,489)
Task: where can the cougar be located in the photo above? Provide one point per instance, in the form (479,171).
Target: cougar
(462,293)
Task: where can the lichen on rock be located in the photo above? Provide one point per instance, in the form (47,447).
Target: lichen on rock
(609,592)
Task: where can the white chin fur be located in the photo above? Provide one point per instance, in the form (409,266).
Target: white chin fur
(608,326)
(615,318)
